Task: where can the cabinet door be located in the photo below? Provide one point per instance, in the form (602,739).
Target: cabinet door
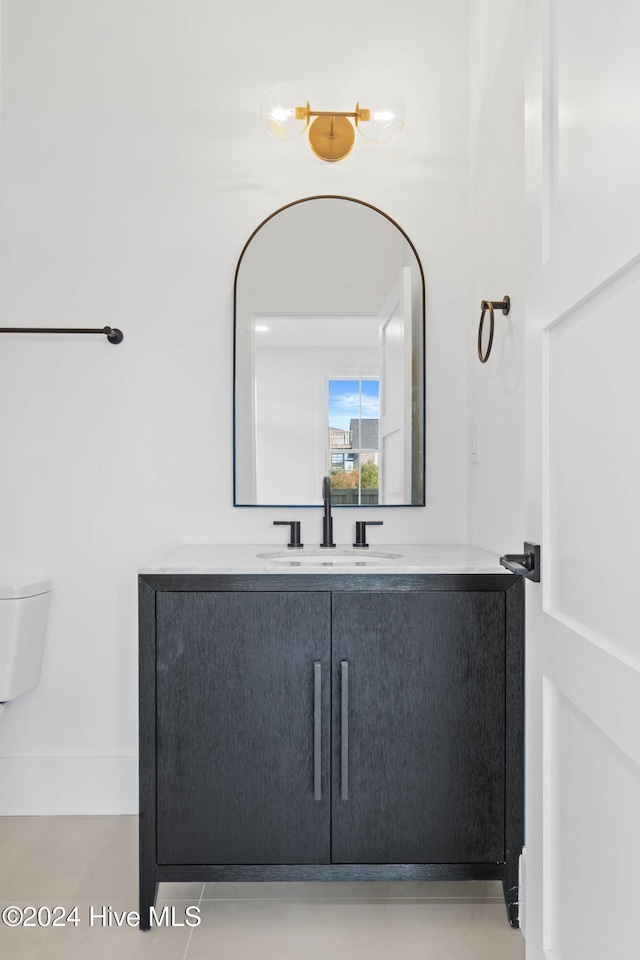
(418,724)
(237,727)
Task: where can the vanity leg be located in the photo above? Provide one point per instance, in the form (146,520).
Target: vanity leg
(511,892)
(148,892)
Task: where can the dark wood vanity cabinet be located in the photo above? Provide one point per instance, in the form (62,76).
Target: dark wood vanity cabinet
(330,727)
(425,737)
(235,692)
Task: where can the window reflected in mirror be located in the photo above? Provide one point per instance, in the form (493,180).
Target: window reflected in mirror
(354,426)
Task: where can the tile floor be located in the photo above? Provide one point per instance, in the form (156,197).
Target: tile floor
(92,862)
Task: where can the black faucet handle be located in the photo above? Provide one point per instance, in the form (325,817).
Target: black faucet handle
(295,531)
(361,531)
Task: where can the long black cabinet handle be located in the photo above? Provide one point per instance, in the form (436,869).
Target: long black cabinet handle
(344,731)
(317,730)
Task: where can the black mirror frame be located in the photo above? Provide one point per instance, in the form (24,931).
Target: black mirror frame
(275,213)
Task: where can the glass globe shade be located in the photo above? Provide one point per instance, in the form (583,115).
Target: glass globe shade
(278,111)
(386,116)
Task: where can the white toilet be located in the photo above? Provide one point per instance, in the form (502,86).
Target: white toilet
(24,604)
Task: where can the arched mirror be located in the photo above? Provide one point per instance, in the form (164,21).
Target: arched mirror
(329,359)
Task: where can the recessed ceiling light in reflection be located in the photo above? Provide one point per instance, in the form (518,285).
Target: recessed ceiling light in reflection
(261,329)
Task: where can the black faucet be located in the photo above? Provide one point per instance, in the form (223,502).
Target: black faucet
(361,532)
(327,521)
(294,539)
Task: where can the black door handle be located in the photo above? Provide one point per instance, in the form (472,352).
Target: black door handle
(525,564)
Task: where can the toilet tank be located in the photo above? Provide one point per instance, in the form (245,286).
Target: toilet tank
(24,605)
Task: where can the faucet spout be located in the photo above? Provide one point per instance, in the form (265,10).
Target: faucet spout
(327,520)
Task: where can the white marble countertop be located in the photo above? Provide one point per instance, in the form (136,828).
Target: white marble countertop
(203,558)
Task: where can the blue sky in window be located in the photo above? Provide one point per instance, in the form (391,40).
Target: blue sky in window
(348,397)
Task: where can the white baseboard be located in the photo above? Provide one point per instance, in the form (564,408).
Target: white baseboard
(50,786)
(522,881)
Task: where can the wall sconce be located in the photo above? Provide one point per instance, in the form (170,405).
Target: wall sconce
(285,113)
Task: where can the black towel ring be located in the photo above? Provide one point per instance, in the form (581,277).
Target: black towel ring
(490,305)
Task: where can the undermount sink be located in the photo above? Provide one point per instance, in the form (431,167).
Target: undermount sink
(329,558)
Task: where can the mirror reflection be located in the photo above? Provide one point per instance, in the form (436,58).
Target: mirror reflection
(329,359)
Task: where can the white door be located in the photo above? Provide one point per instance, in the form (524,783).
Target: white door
(581,871)
(395,392)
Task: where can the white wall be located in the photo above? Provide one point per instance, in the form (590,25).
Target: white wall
(496,247)
(133,171)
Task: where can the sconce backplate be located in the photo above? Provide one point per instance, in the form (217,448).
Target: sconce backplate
(331,138)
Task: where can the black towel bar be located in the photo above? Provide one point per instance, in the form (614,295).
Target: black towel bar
(112,334)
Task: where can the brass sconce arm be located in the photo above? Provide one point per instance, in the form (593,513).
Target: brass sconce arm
(359,114)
